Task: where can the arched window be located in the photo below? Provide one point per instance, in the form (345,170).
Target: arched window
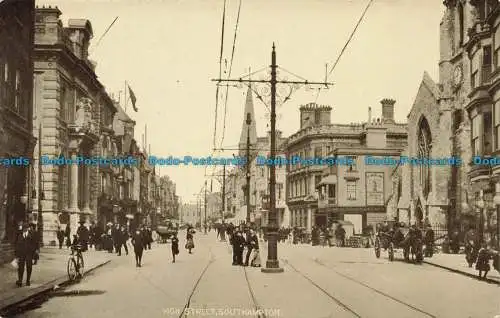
(424,151)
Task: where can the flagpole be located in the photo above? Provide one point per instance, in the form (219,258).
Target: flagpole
(145,137)
(126,100)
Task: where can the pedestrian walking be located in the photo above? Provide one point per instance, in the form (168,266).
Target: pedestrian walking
(149,237)
(122,238)
(483,261)
(175,246)
(25,250)
(138,243)
(189,240)
(238,242)
(67,234)
(36,239)
(116,233)
(60,236)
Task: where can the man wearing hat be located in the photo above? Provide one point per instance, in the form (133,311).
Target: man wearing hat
(83,235)
(25,250)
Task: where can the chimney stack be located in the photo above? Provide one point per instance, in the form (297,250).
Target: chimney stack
(387,109)
(369,114)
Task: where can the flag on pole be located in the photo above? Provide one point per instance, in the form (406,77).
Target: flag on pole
(133,99)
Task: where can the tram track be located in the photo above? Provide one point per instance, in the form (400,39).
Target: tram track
(339,302)
(376,290)
(324,291)
(212,259)
(193,291)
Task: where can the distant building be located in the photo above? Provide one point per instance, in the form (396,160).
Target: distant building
(359,187)
(16,117)
(259,175)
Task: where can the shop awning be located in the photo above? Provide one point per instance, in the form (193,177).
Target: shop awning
(330,179)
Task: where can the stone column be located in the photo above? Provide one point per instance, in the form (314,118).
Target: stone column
(86,191)
(74,211)
(309,219)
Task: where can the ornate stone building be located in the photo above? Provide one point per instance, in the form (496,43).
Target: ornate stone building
(359,190)
(16,112)
(312,140)
(456,118)
(482,48)
(69,101)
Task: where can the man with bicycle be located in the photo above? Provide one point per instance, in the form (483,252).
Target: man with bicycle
(83,235)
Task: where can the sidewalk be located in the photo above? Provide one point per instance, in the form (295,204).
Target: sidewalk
(456,263)
(49,272)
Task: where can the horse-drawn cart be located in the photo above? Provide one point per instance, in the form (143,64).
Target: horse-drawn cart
(400,238)
(165,233)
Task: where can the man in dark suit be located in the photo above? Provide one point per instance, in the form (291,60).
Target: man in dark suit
(25,250)
(138,243)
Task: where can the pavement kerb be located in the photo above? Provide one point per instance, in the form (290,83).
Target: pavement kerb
(489,280)
(47,287)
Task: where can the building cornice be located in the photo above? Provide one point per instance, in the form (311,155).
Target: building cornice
(70,61)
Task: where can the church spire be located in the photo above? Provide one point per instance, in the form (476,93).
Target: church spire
(253,127)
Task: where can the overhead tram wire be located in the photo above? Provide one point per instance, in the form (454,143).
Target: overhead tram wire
(220,71)
(347,42)
(230,70)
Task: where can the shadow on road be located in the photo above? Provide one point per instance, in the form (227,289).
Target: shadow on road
(73,293)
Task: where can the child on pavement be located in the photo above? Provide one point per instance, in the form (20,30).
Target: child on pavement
(175,246)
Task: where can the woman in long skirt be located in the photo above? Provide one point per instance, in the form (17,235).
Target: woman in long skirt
(189,240)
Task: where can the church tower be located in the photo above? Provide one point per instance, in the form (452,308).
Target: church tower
(245,128)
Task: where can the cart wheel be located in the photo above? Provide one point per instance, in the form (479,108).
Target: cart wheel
(377,247)
(391,251)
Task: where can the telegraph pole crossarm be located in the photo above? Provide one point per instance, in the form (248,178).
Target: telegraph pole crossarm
(272,263)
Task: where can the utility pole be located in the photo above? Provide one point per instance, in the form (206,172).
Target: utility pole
(249,122)
(223,192)
(40,184)
(272,263)
(205,224)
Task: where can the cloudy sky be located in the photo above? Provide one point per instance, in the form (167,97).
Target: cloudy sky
(168,51)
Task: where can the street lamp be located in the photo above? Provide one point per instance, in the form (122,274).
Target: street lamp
(480,205)
(496,200)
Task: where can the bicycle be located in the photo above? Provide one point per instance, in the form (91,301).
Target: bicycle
(75,263)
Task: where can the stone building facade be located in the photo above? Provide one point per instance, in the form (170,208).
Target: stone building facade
(455,118)
(16,118)
(69,100)
(359,187)
(482,47)
(312,140)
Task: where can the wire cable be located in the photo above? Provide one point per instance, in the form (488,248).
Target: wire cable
(230,70)
(347,42)
(220,71)
(350,37)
